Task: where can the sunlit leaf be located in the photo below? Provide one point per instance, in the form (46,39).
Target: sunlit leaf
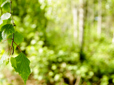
(5,16)
(22,66)
(1,1)
(1,21)
(4,2)
(7,30)
(7,61)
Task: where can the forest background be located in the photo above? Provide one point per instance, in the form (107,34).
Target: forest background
(68,42)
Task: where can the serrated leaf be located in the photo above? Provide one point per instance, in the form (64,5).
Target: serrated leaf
(0,35)
(22,66)
(13,62)
(7,30)
(5,16)
(18,38)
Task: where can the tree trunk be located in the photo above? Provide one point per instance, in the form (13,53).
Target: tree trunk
(75,15)
(78,80)
(113,38)
(81,23)
(99,17)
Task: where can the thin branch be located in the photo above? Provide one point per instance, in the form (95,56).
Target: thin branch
(11,13)
(13,25)
(18,47)
(12,44)
(6,50)
(5,40)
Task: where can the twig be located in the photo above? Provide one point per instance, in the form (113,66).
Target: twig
(12,44)
(6,40)
(11,13)
(18,47)
(13,25)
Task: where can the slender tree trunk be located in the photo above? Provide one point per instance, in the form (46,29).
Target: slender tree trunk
(113,38)
(99,17)
(90,19)
(75,15)
(78,80)
(81,23)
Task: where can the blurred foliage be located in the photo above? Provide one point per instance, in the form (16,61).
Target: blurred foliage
(47,26)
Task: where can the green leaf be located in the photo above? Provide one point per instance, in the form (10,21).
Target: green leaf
(13,62)
(4,2)
(18,38)
(6,7)
(0,35)
(22,66)
(1,1)
(5,16)
(7,30)
(7,61)
(1,21)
